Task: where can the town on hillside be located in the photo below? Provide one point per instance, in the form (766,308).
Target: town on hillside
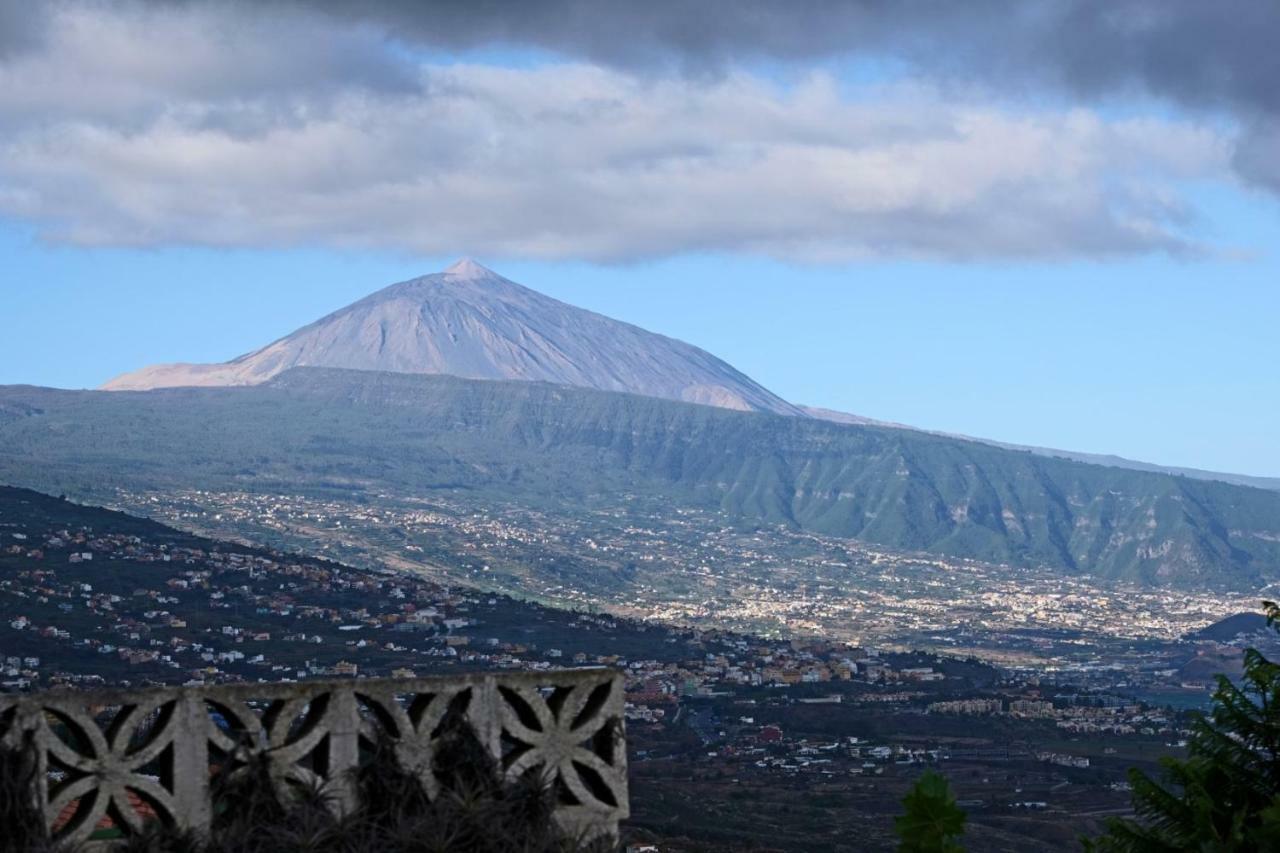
(99,598)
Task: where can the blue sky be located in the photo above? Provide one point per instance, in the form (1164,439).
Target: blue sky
(1073,246)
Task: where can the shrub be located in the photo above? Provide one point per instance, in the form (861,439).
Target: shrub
(21,824)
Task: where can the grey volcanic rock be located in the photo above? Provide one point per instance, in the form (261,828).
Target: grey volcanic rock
(471,322)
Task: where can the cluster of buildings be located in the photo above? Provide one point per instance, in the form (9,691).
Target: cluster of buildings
(1087,714)
(164,611)
(171,612)
(217,613)
(688,567)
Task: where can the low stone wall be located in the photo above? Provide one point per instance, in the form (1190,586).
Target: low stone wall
(130,754)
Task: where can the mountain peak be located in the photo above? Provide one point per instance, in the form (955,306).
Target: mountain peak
(468,270)
(469,321)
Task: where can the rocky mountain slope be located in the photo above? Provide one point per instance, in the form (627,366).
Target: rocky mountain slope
(469,321)
(561,448)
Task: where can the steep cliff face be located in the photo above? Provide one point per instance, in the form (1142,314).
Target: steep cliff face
(469,321)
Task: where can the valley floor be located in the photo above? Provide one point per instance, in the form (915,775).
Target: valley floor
(644,561)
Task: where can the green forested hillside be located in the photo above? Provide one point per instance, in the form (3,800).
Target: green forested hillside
(557,447)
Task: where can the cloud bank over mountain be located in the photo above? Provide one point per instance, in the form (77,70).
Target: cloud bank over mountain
(613,132)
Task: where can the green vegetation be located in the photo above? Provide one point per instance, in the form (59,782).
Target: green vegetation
(932,821)
(1225,796)
(319,430)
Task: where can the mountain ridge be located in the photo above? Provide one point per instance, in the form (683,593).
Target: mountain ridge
(555,447)
(1110,460)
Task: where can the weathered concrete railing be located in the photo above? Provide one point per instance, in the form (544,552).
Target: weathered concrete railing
(130,754)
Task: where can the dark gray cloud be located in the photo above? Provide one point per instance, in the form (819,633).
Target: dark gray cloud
(1257,154)
(1201,52)
(1210,53)
(22,26)
(127,63)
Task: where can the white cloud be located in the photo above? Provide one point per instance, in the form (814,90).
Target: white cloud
(175,125)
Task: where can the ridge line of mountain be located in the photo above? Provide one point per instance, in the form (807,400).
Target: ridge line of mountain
(1109,460)
(565,449)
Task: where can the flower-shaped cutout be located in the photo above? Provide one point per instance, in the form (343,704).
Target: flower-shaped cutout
(294,734)
(100,769)
(572,734)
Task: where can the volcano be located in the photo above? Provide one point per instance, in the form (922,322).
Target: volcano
(470,322)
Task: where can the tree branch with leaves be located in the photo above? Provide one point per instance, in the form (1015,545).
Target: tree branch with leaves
(1225,796)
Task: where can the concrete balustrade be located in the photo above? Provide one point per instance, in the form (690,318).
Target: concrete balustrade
(136,755)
